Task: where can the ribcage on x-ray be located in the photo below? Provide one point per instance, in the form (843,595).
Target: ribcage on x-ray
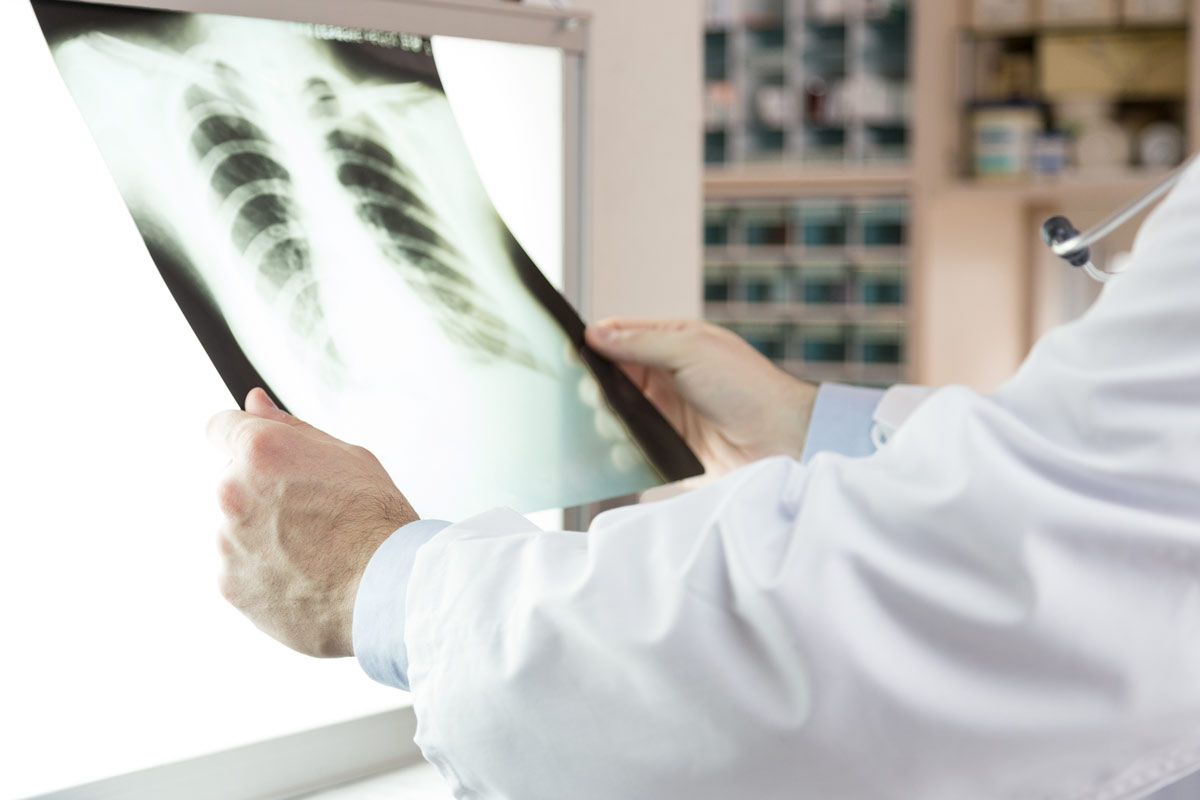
(389,201)
(256,202)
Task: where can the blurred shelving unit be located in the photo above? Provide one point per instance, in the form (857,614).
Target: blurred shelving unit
(831,108)
(1073,89)
(782,180)
(812,82)
(816,284)
(807,140)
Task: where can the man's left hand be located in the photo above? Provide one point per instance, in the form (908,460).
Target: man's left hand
(304,512)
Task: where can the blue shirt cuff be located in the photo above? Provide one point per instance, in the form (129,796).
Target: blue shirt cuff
(378,629)
(841,421)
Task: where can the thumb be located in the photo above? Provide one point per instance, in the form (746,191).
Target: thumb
(664,344)
(259,403)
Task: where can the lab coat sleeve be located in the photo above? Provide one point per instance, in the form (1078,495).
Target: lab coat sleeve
(1003,602)
(841,422)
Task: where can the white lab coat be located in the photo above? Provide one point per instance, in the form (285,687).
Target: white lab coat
(1003,602)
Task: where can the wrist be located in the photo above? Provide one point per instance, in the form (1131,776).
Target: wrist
(796,409)
(340,641)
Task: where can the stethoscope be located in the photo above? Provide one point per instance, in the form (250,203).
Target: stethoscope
(1075,248)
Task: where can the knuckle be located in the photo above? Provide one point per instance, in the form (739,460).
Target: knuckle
(702,331)
(228,587)
(258,444)
(716,333)
(363,453)
(705,333)
(230,498)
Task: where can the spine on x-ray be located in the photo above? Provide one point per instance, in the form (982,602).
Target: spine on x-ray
(255,195)
(389,201)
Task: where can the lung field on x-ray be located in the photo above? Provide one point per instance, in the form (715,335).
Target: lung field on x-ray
(249,176)
(388,200)
(256,203)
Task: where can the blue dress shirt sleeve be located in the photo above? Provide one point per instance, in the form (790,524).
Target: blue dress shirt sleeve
(378,628)
(841,421)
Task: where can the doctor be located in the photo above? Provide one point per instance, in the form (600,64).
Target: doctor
(1003,601)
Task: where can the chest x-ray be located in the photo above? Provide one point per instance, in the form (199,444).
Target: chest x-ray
(307,197)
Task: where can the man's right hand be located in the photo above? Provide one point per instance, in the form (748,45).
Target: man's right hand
(730,403)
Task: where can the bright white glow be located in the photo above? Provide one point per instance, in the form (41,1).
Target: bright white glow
(507,100)
(119,654)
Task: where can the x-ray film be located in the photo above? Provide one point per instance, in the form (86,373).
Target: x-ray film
(308,198)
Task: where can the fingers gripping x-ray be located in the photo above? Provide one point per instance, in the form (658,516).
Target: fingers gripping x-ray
(308,199)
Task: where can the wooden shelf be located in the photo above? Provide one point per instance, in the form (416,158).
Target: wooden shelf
(1030,30)
(1102,187)
(789,180)
(831,313)
(735,255)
